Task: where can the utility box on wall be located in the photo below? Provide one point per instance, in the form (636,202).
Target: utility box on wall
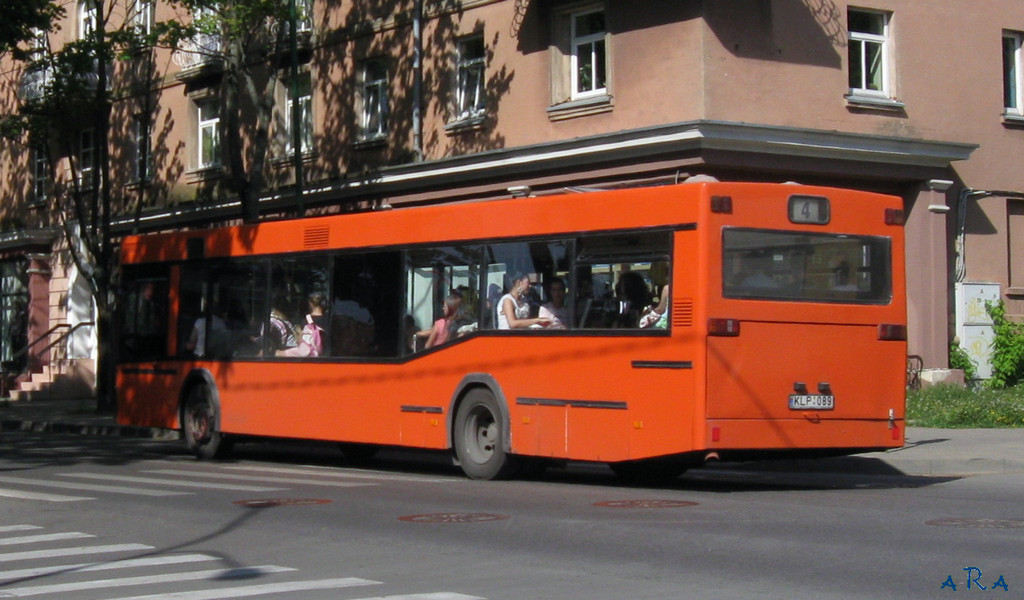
(974,325)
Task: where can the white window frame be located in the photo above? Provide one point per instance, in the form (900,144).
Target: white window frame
(88,18)
(304,8)
(207,128)
(144,15)
(470,92)
(1013,73)
(40,175)
(86,157)
(863,39)
(374,114)
(306,109)
(587,44)
(142,137)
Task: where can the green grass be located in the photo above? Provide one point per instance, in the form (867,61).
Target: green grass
(954,407)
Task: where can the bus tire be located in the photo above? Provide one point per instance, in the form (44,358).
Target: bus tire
(478,437)
(200,420)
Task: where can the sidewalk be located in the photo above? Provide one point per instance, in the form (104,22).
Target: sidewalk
(928,452)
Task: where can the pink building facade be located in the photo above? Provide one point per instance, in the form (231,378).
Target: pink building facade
(407,102)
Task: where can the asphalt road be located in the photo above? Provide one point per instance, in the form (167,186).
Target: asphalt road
(90,518)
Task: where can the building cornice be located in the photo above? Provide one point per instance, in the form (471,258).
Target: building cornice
(27,239)
(675,140)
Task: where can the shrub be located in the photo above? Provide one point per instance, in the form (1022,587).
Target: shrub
(1007,349)
(959,359)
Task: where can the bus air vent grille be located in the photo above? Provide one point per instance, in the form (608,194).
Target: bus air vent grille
(682,312)
(316,237)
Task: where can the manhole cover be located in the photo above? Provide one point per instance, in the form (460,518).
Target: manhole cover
(978,523)
(453,518)
(271,502)
(645,503)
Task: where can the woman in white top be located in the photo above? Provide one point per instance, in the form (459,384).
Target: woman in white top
(514,310)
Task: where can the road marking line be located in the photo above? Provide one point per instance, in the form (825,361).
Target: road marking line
(256,478)
(194,484)
(114,489)
(259,590)
(211,575)
(7,528)
(44,537)
(433,596)
(41,497)
(76,551)
(129,563)
(346,474)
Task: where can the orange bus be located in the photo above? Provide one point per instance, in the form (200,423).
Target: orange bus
(648,328)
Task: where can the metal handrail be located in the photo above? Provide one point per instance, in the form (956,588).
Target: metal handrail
(71,329)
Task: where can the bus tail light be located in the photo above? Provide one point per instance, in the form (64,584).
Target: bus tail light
(892,332)
(895,216)
(724,327)
(721,204)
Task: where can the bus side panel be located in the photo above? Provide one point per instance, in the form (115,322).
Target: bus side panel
(147,395)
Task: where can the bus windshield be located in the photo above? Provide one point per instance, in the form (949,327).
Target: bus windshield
(806,267)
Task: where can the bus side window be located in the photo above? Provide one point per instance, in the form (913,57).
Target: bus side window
(542,261)
(433,275)
(365,312)
(144,324)
(619,278)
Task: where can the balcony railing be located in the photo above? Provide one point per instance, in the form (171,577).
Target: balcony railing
(36,83)
(199,51)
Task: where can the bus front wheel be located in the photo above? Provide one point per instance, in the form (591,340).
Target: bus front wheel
(479,437)
(199,422)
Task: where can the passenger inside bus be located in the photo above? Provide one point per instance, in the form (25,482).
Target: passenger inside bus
(514,307)
(280,335)
(555,310)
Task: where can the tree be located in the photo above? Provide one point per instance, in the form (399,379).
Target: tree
(251,40)
(62,88)
(23,20)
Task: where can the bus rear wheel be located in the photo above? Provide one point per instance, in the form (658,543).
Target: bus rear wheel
(479,436)
(200,418)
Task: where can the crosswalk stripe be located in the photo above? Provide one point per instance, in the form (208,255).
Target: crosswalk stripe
(213,575)
(259,590)
(257,478)
(312,471)
(129,563)
(193,484)
(9,528)
(41,497)
(114,489)
(44,537)
(76,551)
(431,596)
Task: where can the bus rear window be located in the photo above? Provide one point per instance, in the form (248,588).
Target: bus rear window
(806,267)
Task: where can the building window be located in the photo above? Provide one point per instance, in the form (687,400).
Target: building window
(141,136)
(374,100)
(86,157)
(208,134)
(472,62)
(144,15)
(304,96)
(40,175)
(1012,100)
(869,52)
(88,18)
(589,58)
(304,8)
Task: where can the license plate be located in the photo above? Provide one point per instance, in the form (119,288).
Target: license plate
(812,402)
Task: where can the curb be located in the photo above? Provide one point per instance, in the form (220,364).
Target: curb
(98,429)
